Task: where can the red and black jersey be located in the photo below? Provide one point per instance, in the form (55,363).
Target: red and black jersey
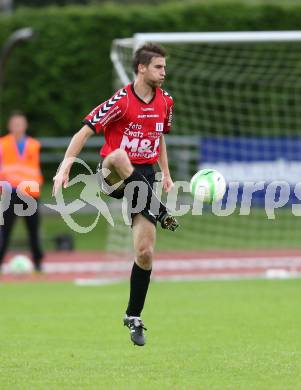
(133,125)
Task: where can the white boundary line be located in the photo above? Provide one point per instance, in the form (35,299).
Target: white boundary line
(173,265)
(277,274)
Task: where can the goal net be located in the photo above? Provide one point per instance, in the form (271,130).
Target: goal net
(238,110)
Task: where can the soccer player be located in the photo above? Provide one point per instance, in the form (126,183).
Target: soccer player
(134,121)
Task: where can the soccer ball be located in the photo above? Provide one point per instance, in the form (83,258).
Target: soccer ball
(208,185)
(20,265)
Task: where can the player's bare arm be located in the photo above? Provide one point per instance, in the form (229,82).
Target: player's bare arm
(76,144)
(163,163)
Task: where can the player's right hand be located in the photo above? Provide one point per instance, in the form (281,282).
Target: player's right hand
(61,179)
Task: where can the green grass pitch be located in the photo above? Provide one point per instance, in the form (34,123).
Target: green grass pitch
(202,335)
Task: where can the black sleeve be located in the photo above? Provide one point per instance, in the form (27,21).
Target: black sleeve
(86,122)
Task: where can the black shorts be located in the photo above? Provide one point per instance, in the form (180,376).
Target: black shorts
(146,170)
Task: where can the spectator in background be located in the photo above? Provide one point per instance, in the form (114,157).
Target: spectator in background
(19,162)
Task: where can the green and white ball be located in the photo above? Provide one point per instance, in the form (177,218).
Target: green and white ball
(20,265)
(208,185)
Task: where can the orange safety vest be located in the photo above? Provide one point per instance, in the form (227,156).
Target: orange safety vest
(15,168)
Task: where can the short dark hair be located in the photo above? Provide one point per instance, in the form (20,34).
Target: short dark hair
(144,54)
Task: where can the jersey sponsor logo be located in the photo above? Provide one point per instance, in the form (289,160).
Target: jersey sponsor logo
(133,130)
(142,116)
(170,117)
(147,156)
(133,133)
(153,134)
(139,146)
(159,126)
(110,116)
(147,109)
(107,106)
(134,126)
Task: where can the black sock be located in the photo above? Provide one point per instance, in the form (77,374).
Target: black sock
(37,259)
(153,203)
(139,285)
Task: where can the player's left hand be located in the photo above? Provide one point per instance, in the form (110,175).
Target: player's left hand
(167,183)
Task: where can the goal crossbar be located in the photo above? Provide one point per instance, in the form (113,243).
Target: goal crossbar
(218,37)
(196,37)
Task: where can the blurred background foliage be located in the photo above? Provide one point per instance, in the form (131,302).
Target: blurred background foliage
(43,3)
(66,70)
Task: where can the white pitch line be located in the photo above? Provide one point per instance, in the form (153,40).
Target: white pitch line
(172,265)
(191,278)
(228,276)
(97,281)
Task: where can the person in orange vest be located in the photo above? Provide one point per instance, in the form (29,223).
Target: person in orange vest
(21,173)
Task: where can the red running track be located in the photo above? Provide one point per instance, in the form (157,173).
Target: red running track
(101,267)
